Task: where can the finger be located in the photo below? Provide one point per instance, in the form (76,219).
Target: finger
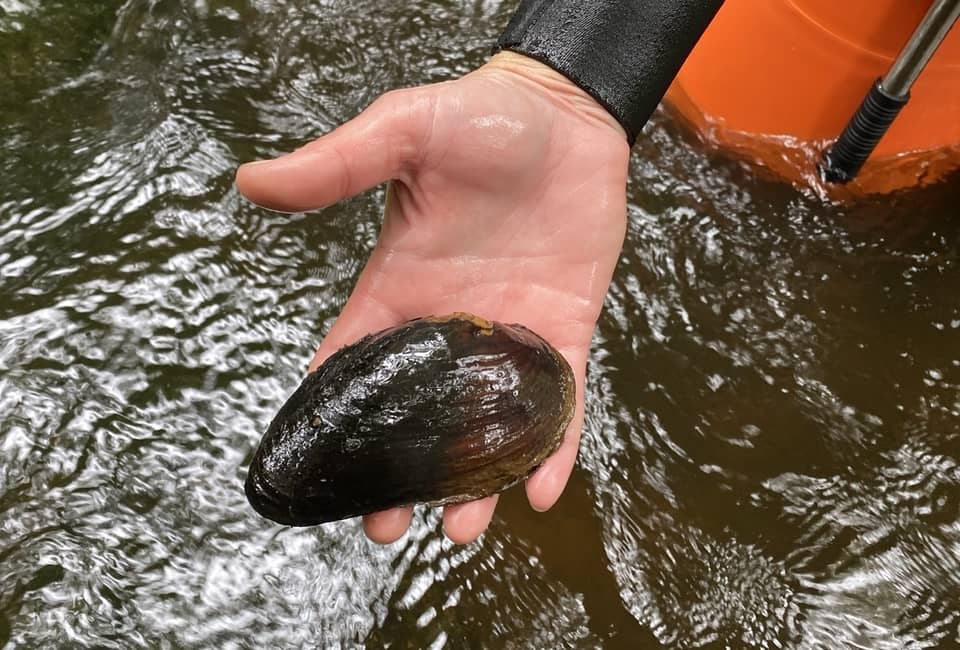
(377,145)
(464,522)
(545,486)
(387,526)
(361,316)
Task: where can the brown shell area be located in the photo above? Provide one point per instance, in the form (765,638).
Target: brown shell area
(438,410)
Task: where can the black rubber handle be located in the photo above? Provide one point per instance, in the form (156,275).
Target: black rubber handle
(625,53)
(843,161)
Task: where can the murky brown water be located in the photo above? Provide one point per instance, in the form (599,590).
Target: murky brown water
(773,431)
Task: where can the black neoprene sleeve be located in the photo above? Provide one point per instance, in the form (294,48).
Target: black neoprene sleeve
(625,53)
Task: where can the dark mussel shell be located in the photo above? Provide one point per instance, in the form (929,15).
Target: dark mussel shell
(436,410)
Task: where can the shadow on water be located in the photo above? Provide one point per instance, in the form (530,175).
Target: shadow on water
(770,457)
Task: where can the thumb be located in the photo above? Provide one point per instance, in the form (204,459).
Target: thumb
(384,142)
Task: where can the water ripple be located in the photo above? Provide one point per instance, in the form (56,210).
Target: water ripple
(770,455)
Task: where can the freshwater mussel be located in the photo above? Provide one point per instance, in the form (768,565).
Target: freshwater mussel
(436,410)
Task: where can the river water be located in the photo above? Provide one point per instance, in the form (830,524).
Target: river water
(771,449)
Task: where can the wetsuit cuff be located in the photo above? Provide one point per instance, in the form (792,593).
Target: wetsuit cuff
(624,53)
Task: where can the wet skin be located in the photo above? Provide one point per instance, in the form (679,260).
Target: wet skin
(507,198)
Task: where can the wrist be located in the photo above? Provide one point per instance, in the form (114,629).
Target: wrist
(559,88)
(623,53)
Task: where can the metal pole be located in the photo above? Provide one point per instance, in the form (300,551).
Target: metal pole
(888,96)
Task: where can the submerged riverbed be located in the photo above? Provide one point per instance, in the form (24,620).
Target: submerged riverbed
(770,456)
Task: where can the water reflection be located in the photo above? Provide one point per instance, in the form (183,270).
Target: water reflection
(764,458)
(770,456)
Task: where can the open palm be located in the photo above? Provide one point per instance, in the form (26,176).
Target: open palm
(506,199)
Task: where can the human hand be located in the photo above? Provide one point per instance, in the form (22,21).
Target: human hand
(507,199)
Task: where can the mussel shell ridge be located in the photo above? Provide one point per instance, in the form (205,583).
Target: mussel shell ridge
(435,410)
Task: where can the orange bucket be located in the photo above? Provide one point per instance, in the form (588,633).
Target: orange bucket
(776,81)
